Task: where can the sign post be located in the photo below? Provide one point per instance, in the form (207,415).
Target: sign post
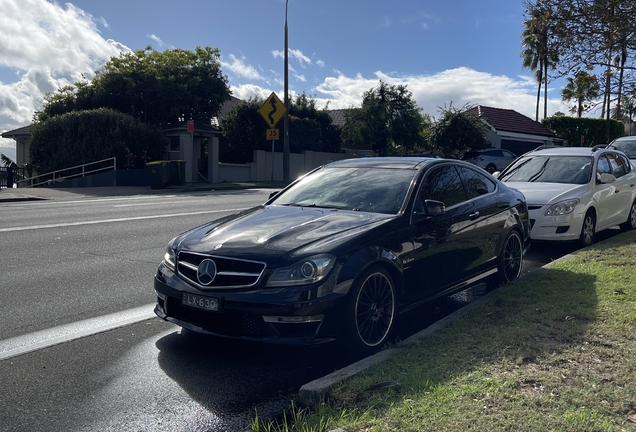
(272,111)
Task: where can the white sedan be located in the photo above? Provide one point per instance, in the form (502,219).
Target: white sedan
(575,192)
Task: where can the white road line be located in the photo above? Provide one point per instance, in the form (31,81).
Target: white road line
(46,338)
(162,202)
(68,224)
(85,200)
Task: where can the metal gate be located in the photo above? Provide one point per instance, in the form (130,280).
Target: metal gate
(9,176)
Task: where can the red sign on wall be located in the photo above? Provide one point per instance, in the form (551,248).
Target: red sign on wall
(190,125)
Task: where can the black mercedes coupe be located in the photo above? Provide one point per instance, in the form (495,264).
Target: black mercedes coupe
(343,252)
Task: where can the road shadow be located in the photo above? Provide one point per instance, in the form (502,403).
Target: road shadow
(237,379)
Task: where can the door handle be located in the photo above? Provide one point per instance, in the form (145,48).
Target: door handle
(474,215)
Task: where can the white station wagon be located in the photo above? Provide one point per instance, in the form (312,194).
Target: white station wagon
(575,192)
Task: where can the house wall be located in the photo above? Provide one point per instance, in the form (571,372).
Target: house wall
(261,168)
(22,145)
(516,143)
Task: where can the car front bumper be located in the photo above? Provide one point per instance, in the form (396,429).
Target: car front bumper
(286,316)
(554,228)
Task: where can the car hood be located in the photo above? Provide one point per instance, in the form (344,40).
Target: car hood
(547,193)
(267,232)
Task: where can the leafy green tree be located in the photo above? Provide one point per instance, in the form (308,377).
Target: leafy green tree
(582,89)
(428,127)
(596,36)
(309,129)
(457,131)
(80,137)
(592,130)
(389,121)
(243,131)
(155,87)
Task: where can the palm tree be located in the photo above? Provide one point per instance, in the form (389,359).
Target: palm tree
(538,53)
(532,60)
(582,88)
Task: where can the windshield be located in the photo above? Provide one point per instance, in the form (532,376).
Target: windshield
(550,169)
(627,146)
(379,190)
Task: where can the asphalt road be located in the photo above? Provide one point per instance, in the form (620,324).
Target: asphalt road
(69,266)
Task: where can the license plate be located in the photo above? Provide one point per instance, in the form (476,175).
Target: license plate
(200,302)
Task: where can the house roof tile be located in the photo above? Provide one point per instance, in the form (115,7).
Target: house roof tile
(511,121)
(23,131)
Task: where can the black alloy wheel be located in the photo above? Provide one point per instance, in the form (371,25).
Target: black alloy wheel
(511,258)
(491,168)
(371,313)
(630,224)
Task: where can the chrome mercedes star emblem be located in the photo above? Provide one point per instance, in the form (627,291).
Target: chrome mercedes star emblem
(206,272)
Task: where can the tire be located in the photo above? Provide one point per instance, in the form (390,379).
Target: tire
(491,168)
(588,231)
(630,224)
(510,258)
(371,311)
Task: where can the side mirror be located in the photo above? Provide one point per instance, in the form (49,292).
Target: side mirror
(606,178)
(434,207)
(273,194)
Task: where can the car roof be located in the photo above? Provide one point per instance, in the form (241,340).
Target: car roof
(625,138)
(404,162)
(564,151)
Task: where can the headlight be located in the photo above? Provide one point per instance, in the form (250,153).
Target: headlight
(170,257)
(562,208)
(307,271)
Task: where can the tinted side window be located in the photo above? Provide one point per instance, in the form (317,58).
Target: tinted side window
(476,184)
(443,184)
(509,154)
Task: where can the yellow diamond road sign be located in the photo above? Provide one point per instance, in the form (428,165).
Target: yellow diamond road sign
(272,110)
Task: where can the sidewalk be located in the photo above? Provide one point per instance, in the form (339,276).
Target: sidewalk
(48,193)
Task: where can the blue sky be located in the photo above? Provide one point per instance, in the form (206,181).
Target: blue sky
(460,51)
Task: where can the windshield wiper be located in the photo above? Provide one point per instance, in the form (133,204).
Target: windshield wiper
(540,172)
(514,170)
(313,205)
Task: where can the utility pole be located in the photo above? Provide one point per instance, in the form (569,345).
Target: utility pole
(286,118)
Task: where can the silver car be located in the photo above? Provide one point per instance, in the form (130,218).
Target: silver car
(492,159)
(625,144)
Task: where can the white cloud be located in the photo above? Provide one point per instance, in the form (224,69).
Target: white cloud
(241,68)
(297,55)
(386,22)
(247,91)
(459,86)
(49,46)
(300,57)
(156,39)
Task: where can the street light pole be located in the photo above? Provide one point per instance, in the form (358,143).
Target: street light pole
(286,117)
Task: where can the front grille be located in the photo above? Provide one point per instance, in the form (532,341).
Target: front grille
(534,207)
(532,221)
(231,272)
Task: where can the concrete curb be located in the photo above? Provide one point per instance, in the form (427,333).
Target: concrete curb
(311,393)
